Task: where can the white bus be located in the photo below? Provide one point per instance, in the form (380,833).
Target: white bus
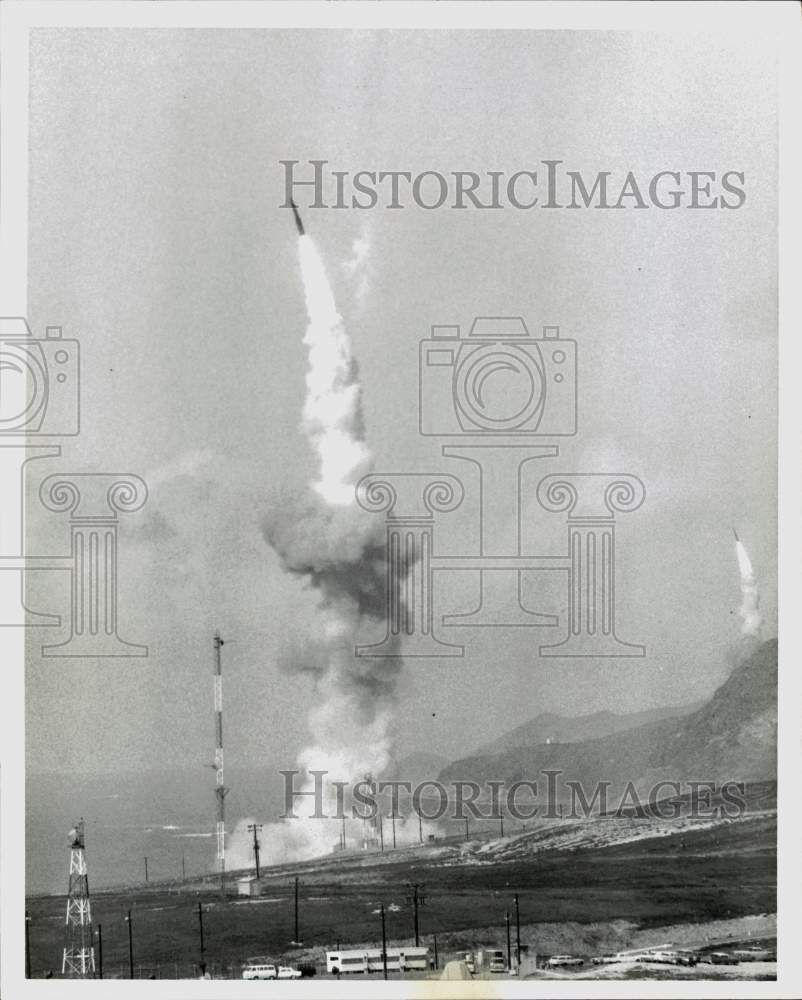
(255,968)
(370,960)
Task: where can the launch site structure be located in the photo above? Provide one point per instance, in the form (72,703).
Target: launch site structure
(220,790)
(78,959)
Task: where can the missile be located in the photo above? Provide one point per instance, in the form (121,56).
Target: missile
(737,539)
(298,224)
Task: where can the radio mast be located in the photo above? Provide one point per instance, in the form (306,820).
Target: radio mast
(220,789)
(79,954)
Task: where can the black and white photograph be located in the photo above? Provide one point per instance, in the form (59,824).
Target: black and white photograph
(396,531)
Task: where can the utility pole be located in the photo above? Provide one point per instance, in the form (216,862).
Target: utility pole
(501,821)
(416,897)
(343,833)
(220,788)
(255,828)
(183,867)
(384,943)
(130,947)
(202,948)
(27,945)
(381,832)
(517,931)
(297,938)
(420,828)
(100,950)
(467,832)
(435,951)
(146,869)
(509,946)
(392,816)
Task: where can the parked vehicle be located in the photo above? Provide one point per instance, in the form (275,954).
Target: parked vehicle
(498,965)
(722,958)
(667,957)
(371,960)
(755,954)
(287,972)
(564,961)
(259,970)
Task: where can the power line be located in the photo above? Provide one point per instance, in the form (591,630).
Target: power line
(416,898)
(202,948)
(297,938)
(255,828)
(384,943)
(130,947)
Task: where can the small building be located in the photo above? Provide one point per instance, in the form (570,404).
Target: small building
(249,886)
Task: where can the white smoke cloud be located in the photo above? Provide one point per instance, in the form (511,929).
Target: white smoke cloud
(334,546)
(332,412)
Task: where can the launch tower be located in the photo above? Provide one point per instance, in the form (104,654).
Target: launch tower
(220,790)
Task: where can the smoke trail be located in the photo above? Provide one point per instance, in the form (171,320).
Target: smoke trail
(338,551)
(751,619)
(333,410)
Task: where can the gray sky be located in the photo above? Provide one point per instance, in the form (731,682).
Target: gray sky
(156,238)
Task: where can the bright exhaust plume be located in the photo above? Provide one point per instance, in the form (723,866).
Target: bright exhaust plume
(323,537)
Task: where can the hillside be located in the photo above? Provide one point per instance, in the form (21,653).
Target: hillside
(550,728)
(731,737)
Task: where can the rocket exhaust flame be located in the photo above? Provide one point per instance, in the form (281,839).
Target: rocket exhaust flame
(326,539)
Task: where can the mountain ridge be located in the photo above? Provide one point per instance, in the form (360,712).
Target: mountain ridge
(548,727)
(731,737)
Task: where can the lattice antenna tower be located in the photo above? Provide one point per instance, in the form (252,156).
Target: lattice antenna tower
(78,959)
